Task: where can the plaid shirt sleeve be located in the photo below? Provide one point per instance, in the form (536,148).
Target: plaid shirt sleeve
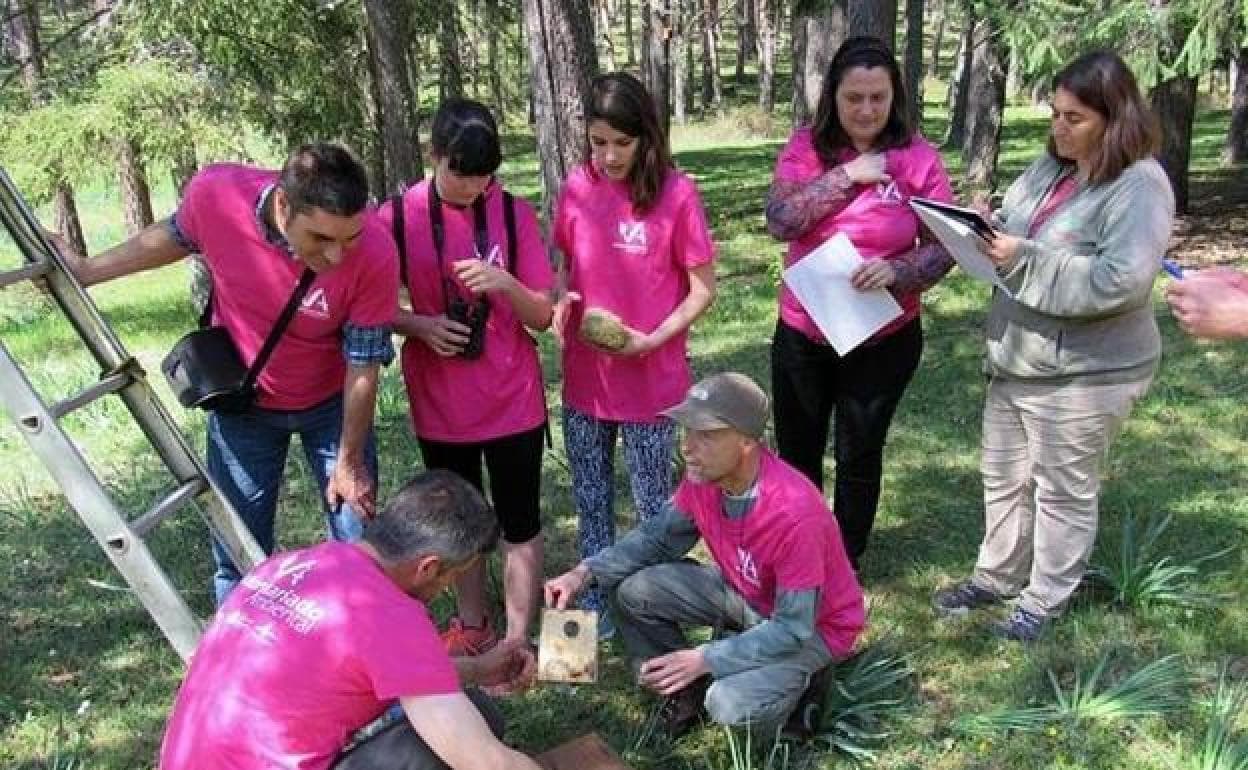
(367,345)
(171,224)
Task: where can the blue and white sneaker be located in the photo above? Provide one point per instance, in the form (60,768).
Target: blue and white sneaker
(1020,626)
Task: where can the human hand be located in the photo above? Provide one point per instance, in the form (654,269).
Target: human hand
(507,668)
(560,590)
(638,344)
(443,336)
(559,318)
(982,203)
(1002,249)
(873,274)
(670,673)
(1211,303)
(481,277)
(868,168)
(351,483)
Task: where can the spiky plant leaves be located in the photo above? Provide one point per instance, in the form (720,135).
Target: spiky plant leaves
(865,691)
(1137,577)
(1221,748)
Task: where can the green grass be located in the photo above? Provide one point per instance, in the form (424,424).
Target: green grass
(70,637)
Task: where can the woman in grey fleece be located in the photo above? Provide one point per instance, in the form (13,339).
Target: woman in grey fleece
(1081,237)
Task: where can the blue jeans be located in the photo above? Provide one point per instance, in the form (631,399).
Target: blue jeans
(246,458)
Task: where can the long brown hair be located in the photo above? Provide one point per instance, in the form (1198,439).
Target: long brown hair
(828,133)
(1103,82)
(622,102)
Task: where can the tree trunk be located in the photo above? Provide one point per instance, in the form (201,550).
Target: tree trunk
(985,107)
(712,82)
(606,48)
(629,43)
(66,216)
(765,21)
(183,167)
(451,76)
(498,94)
(914,59)
(959,83)
(561,65)
(678,52)
(136,198)
(747,38)
(819,28)
(22,36)
(1014,77)
(22,32)
(1174,101)
(877,18)
(657,64)
(938,38)
(1236,149)
(396,105)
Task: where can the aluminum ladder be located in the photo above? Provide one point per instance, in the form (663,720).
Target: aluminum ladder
(121,536)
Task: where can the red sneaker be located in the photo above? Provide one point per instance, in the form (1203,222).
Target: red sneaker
(462,640)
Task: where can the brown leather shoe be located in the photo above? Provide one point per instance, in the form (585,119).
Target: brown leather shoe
(684,710)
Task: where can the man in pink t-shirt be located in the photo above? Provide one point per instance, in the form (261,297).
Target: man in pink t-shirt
(781,577)
(316,644)
(258,231)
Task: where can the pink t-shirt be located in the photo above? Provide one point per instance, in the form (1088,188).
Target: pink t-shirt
(877,219)
(638,269)
(501,393)
(789,541)
(253,279)
(310,647)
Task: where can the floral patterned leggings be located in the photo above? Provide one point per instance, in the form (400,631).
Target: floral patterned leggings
(590,446)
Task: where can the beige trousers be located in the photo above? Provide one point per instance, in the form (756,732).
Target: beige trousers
(1043,450)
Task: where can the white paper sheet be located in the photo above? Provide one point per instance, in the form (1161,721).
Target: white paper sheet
(845,315)
(962,243)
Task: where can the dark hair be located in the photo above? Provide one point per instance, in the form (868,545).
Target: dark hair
(324,176)
(868,52)
(622,102)
(465,133)
(1103,82)
(435,513)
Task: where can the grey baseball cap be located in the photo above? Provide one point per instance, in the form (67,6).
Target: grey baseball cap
(726,400)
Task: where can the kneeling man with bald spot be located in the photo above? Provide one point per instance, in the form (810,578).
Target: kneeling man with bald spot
(315,644)
(781,579)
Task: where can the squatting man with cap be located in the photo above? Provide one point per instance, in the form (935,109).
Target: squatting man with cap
(780,578)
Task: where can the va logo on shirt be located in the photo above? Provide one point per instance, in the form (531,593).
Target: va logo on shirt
(888,192)
(747,567)
(294,569)
(315,304)
(632,237)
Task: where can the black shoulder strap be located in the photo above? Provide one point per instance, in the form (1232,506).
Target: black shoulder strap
(399,230)
(279,328)
(509,219)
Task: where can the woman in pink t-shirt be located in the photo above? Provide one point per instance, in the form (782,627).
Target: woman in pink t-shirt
(853,172)
(479,279)
(637,247)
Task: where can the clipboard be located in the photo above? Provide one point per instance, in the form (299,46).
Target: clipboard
(969,217)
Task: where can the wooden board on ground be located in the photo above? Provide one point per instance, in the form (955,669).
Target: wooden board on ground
(568,648)
(589,752)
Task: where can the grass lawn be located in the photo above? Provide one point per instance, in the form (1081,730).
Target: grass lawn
(85,676)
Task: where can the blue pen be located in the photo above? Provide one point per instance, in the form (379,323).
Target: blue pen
(1173,268)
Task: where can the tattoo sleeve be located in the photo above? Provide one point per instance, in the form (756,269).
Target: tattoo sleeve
(794,208)
(920,268)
